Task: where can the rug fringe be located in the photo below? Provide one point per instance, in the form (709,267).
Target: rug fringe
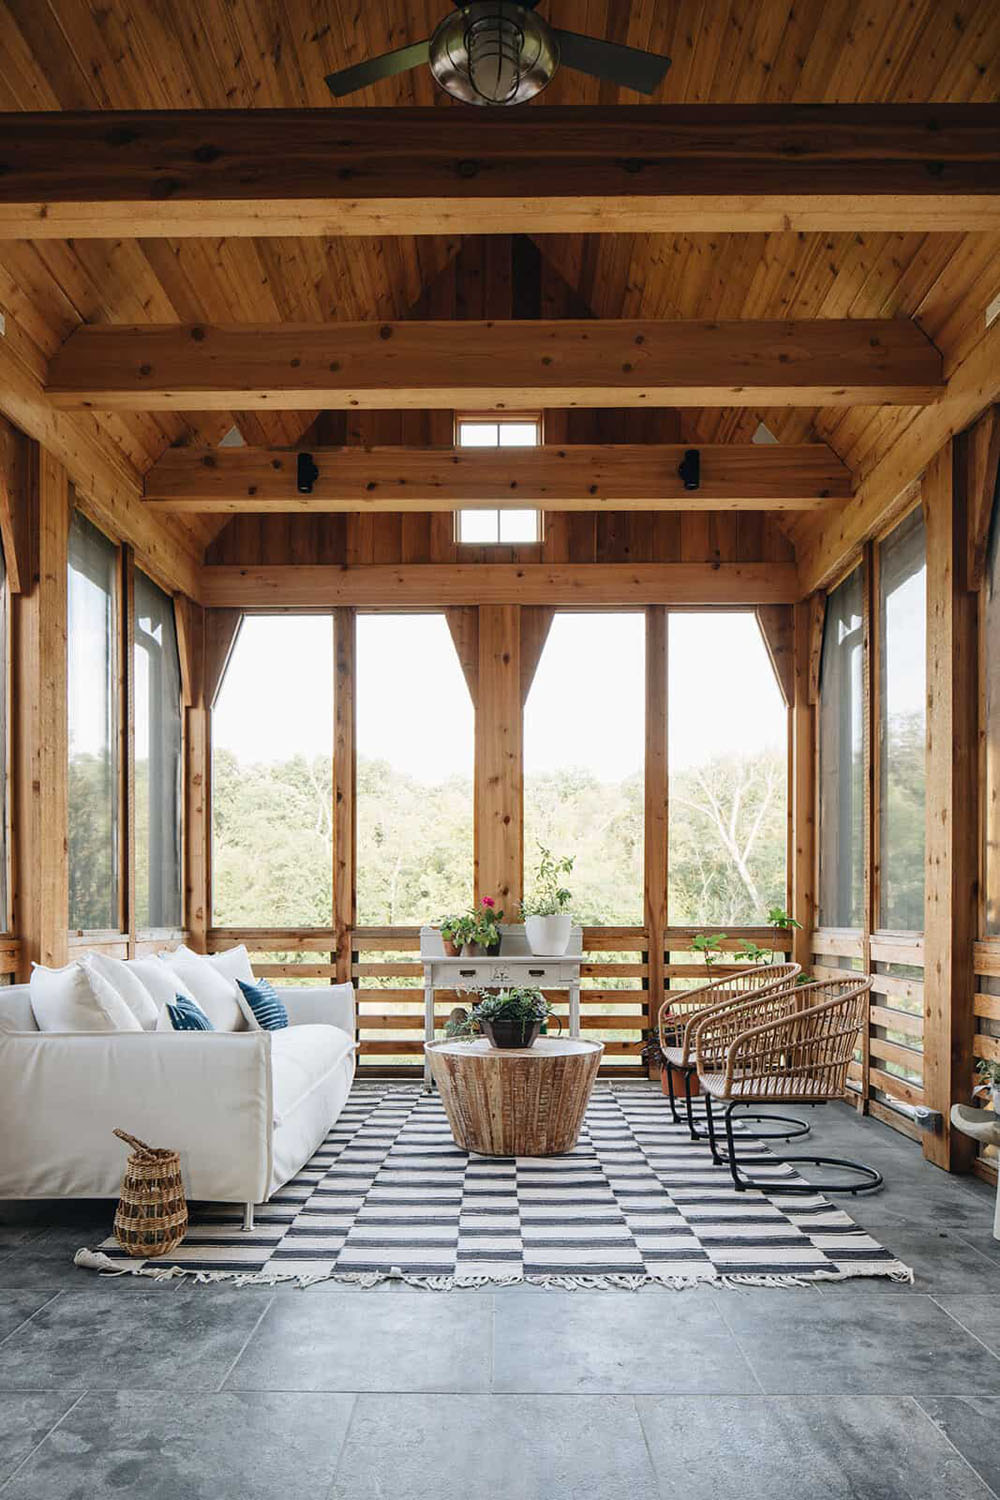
(92,1260)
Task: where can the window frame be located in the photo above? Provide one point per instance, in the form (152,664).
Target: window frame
(498,419)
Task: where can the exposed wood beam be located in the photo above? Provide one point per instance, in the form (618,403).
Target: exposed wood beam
(661,169)
(100,472)
(432,585)
(495,365)
(806,476)
(824,547)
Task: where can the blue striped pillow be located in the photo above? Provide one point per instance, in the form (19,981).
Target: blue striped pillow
(265,1002)
(187,1015)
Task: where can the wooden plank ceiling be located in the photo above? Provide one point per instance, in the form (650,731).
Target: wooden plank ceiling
(177,54)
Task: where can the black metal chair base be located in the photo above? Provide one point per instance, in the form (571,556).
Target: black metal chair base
(868,1179)
(796,1128)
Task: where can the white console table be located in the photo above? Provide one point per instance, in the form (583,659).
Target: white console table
(515,965)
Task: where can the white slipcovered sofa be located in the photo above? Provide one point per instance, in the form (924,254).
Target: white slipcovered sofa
(245,1109)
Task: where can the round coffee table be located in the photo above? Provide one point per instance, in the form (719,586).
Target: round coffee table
(518,1101)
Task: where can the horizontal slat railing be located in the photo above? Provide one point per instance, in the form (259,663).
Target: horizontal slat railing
(986,1038)
(887,1070)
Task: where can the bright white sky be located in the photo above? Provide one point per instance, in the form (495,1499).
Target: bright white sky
(585,707)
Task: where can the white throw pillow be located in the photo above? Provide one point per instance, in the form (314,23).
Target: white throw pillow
(127,983)
(234,963)
(70,999)
(217,995)
(160,980)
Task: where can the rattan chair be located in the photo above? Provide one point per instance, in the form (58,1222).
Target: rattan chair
(682,1008)
(789,1047)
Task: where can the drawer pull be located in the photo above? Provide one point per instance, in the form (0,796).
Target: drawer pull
(536,973)
(467,973)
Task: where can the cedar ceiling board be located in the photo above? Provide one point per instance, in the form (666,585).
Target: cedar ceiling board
(69,54)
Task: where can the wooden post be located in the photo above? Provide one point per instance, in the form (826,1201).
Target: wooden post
(190,619)
(344,763)
(953,824)
(656,812)
(40,720)
(499,838)
(803,787)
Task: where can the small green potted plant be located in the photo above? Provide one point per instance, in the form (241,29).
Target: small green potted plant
(512,1017)
(449,928)
(548,921)
(488,921)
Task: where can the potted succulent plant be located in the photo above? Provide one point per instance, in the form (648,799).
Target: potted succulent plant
(548,921)
(488,926)
(989,1084)
(512,1018)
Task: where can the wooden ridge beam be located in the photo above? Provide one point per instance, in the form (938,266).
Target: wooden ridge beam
(496,365)
(825,546)
(647,169)
(433,585)
(643,476)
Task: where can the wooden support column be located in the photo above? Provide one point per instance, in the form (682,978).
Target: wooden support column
(40,718)
(656,811)
(499,838)
(344,766)
(803,787)
(190,621)
(953,824)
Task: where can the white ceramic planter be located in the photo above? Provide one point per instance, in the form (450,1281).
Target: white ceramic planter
(548,937)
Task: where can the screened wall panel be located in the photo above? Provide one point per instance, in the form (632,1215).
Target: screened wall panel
(272,776)
(841,758)
(584,745)
(727,749)
(157,718)
(4,744)
(415,767)
(991,707)
(93,831)
(902,724)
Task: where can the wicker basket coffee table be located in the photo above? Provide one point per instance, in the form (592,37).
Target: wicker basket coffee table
(518,1101)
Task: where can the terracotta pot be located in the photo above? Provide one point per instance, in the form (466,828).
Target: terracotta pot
(679,1083)
(450,948)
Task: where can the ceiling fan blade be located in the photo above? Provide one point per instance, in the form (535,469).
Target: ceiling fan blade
(626,66)
(374,69)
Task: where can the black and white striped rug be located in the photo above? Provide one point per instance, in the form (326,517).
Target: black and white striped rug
(389,1194)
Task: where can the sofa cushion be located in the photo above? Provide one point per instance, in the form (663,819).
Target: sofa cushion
(265,1002)
(70,999)
(217,995)
(301,1058)
(160,980)
(234,963)
(128,985)
(185,1015)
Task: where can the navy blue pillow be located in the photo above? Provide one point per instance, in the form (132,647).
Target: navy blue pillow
(187,1015)
(265,1002)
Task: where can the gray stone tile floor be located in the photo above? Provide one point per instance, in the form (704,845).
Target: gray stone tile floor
(862,1390)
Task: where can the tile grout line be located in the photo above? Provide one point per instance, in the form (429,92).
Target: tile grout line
(270,1301)
(717,1302)
(956,1319)
(24,1321)
(42,1441)
(355,1403)
(937,1426)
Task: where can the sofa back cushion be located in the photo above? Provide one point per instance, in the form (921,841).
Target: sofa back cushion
(71,999)
(116,972)
(217,995)
(159,979)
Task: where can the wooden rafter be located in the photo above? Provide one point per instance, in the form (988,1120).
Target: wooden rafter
(496,365)
(662,169)
(644,476)
(432,585)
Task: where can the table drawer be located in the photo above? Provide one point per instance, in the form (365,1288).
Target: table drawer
(545,974)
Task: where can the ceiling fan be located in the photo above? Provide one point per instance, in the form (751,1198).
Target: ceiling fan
(499,52)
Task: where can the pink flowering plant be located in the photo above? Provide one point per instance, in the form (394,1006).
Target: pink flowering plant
(488,920)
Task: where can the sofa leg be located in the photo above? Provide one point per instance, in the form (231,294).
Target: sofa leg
(247,1217)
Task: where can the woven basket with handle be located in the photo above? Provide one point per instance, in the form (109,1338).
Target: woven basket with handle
(151,1217)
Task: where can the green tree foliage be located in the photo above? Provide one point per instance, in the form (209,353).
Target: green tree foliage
(903,833)
(272,853)
(93,903)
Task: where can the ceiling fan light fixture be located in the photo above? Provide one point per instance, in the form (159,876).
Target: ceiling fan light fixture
(493,52)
